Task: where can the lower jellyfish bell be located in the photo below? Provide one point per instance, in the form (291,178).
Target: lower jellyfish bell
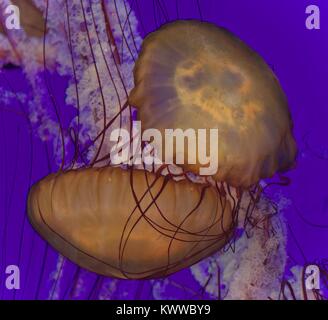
(129,224)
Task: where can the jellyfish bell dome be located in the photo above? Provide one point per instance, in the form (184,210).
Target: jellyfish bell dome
(192,74)
(129,224)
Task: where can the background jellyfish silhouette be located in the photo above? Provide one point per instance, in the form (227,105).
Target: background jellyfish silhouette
(59,93)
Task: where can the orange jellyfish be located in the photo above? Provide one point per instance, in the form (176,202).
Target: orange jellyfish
(129,224)
(192,74)
(137,224)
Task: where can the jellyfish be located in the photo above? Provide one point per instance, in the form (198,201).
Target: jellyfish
(192,74)
(135,224)
(94,217)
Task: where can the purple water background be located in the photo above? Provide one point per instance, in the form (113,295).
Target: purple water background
(276,30)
